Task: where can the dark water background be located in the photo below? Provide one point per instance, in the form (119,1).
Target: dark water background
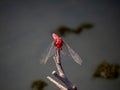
(25,27)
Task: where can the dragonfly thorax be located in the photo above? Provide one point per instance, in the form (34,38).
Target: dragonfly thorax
(58,43)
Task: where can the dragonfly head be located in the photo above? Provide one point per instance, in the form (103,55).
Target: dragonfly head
(55,36)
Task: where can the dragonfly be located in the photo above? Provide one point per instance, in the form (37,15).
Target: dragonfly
(57,45)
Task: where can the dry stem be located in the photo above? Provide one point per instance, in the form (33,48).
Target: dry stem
(61,74)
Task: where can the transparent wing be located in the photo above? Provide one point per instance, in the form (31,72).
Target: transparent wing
(49,52)
(74,55)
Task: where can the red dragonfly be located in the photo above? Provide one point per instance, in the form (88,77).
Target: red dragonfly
(57,44)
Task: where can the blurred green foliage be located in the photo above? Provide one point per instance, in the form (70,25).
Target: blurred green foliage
(38,85)
(62,30)
(106,70)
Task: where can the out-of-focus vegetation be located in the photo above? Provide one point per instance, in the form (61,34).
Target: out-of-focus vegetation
(38,85)
(62,30)
(106,70)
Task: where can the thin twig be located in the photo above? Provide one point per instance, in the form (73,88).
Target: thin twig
(56,83)
(61,74)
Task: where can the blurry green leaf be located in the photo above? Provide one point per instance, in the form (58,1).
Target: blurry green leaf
(38,84)
(62,30)
(106,70)
(85,25)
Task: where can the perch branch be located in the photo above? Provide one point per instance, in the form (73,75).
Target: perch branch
(61,74)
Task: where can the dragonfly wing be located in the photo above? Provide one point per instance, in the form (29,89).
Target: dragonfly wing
(49,52)
(74,55)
